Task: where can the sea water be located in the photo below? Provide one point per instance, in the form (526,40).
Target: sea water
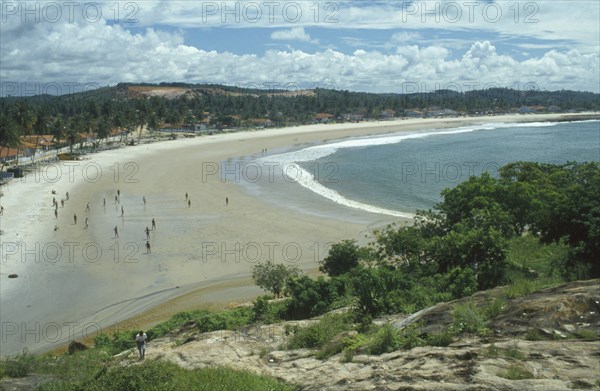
(397,173)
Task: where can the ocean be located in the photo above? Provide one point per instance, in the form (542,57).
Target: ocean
(397,173)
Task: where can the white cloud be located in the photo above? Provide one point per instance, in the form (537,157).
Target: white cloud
(406,36)
(106,53)
(293,34)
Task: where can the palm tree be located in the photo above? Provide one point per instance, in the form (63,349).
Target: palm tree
(75,128)
(9,135)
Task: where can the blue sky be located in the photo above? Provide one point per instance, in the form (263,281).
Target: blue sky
(370,46)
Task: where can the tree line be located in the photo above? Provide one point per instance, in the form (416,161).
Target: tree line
(105,110)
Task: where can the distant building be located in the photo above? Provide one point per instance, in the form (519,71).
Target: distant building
(414,113)
(322,118)
(388,114)
(442,113)
(8,154)
(42,141)
(525,110)
(353,117)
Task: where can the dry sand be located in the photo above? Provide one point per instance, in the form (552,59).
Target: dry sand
(76,280)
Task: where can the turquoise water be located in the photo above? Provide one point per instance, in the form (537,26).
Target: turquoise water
(410,174)
(397,173)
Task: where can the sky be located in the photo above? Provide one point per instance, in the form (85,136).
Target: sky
(394,46)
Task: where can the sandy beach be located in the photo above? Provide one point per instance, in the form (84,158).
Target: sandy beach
(76,280)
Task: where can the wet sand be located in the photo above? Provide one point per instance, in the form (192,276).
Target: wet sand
(76,280)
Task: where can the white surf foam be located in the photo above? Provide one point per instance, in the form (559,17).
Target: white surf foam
(307,180)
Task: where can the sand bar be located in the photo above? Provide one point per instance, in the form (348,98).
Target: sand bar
(76,280)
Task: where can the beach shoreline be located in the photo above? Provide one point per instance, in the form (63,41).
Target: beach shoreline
(188,267)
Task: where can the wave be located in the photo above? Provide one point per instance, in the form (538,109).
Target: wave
(307,180)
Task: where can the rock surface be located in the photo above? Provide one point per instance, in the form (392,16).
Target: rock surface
(557,362)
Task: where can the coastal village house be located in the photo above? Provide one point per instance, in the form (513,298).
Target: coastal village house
(323,118)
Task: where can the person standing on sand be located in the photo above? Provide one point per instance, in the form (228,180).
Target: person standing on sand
(104,202)
(140,340)
(148,251)
(116,229)
(186,196)
(75,218)
(144,199)
(86,223)
(153,224)
(226,201)
(147,233)
(62,202)
(56,213)
(67,196)
(122,211)
(87,207)
(189,203)
(2,211)
(116,199)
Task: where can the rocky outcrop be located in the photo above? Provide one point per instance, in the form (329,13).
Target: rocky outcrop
(557,361)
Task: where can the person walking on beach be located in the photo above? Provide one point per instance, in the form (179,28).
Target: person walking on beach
(62,202)
(140,340)
(148,251)
(153,224)
(75,218)
(119,193)
(186,196)
(2,211)
(226,201)
(53,201)
(87,207)
(189,203)
(86,223)
(144,199)
(104,201)
(116,199)
(67,196)
(122,211)
(116,229)
(147,233)
(56,213)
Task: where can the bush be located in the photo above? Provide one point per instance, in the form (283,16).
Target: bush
(320,333)
(469,319)
(19,365)
(273,277)
(120,341)
(494,308)
(309,298)
(460,282)
(262,311)
(342,257)
(387,339)
(516,372)
(367,287)
(441,339)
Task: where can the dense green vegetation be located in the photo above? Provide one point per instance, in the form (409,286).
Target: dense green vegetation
(125,108)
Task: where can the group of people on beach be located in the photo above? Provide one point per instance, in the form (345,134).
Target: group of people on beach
(88,209)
